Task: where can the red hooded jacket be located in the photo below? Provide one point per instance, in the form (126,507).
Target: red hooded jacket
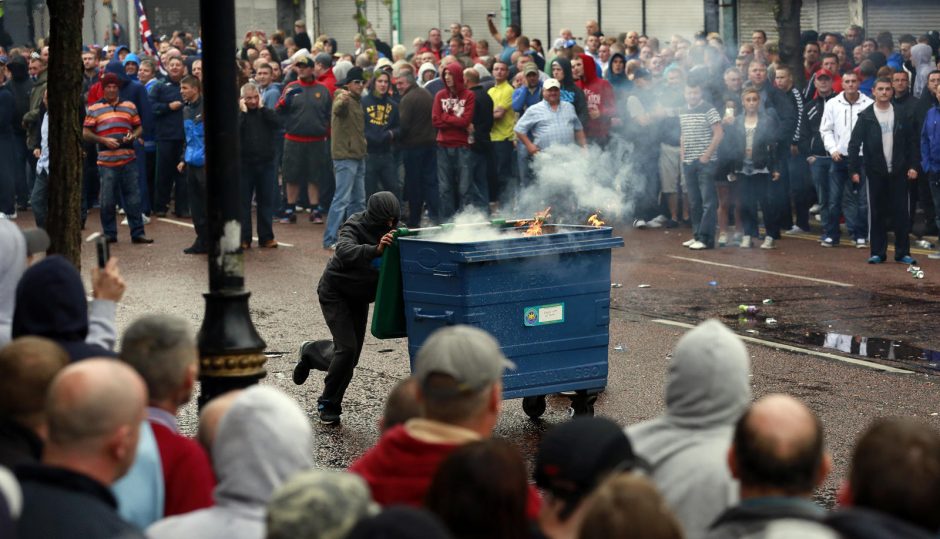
(600,98)
(453,111)
(328,79)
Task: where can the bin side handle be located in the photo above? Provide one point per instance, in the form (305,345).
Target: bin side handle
(525,251)
(446,316)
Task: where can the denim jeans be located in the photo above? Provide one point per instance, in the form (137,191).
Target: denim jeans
(39,198)
(795,181)
(121,179)
(382,174)
(258,179)
(169,179)
(349,198)
(421,184)
(933,183)
(820,169)
(454,182)
(854,205)
(703,199)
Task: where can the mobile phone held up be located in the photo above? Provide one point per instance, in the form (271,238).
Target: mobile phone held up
(104,250)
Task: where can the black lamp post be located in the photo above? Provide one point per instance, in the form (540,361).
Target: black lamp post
(230,349)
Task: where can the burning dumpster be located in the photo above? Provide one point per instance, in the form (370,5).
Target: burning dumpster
(544,297)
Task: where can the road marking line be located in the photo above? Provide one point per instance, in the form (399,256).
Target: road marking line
(797,349)
(181,223)
(777,273)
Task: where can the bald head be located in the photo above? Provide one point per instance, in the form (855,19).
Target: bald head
(778,447)
(211,415)
(90,400)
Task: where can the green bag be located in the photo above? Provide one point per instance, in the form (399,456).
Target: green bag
(388,315)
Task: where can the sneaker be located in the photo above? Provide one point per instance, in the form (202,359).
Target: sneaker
(316,217)
(328,416)
(828,242)
(924,244)
(794,230)
(736,237)
(698,246)
(145,219)
(660,219)
(653,224)
(269,244)
(722,239)
(289,219)
(639,223)
(906,259)
(120,210)
(315,355)
(195,249)
(142,240)
(124,222)
(769,243)
(746,242)
(860,243)
(934,256)
(298,209)
(688,243)
(670,223)
(877,259)
(815,208)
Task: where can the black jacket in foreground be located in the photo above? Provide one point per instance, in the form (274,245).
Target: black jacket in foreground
(350,273)
(766,148)
(866,138)
(860,523)
(64,504)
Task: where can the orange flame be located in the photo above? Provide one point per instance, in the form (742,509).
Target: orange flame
(535,228)
(595,221)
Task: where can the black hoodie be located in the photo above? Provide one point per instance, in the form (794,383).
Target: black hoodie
(350,273)
(50,303)
(21,86)
(382,125)
(570,91)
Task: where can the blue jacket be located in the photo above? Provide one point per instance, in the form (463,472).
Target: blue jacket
(134,91)
(195,152)
(522,98)
(169,124)
(381,114)
(930,141)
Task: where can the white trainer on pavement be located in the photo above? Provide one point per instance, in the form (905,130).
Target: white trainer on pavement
(827,242)
(746,242)
(794,230)
(688,243)
(815,208)
(769,243)
(660,219)
(698,246)
(934,256)
(722,239)
(653,224)
(639,223)
(860,243)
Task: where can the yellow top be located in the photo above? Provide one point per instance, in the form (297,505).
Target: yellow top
(501,94)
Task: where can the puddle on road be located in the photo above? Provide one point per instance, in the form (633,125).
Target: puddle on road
(878,348)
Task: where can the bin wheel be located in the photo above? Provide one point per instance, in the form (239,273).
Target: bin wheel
(582,404)
(534,407)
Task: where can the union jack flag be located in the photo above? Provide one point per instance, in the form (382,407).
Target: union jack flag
(146,37)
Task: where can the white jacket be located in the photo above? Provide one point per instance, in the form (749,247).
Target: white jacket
(838,120)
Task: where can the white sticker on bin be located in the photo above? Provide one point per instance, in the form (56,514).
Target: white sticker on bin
(541,315)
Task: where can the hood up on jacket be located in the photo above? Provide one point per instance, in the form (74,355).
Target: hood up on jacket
(51,303)
(425,67)
(262,440)
(920,57)
(382,207)
(12,266)
(19,70)
(456,73)
(567,81)
(617,80)
(590,69)
(115,66)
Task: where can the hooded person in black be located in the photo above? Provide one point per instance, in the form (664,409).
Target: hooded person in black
(569,91)
(50,303)
(346,289)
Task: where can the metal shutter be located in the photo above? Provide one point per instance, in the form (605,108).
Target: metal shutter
(914,17)
(534,19)
(756,15)
(473,13)
(833,16)
(254,15)
(417,17)
(381,18)
(573,15)
(667,17)
(808,17)
(171,15)
(619,16)
(335,19)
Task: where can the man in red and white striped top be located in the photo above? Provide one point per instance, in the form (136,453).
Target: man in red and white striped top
(114,125)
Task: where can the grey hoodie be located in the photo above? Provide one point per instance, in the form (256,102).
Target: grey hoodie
(262,441)
(12,266)
(708,389)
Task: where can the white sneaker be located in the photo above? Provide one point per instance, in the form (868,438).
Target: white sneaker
(124,222)
(827,242)
(769,243)
(120,211)
(736,237)
(815,208)
(722,239)
(653,224)
(639,223)
(146,219)
(860,243)
(746,242)
(660,219)
(934,256)
(698,246)
(688,243)
(794,230)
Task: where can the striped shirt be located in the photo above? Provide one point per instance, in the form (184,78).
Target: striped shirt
(696,124)
(113,121)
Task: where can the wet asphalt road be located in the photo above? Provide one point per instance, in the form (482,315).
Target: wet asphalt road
(814,291)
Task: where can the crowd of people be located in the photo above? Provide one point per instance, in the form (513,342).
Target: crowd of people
(719,139)
(91,446)
(90,429)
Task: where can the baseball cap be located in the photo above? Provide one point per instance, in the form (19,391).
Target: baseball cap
(37,240)
(323,59)
(570,43)
(355,73)
(530,68)
(469,355)
(823,73)
(574,457)
(551,83)
(304,61)
(383,63)
(319,503)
